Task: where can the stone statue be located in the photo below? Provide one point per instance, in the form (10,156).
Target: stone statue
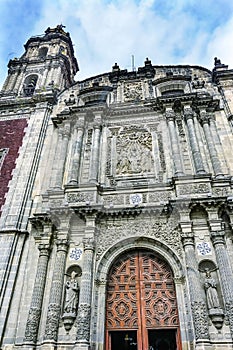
(71,298)
(211,290)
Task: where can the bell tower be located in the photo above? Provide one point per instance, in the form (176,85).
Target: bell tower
(47,63)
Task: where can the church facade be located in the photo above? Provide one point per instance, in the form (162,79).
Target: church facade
(116,204)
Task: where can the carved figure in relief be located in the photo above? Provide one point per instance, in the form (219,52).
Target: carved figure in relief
(134,153)
(210,286)
(71,299)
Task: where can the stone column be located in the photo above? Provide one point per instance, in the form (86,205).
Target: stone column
(199,167)
(54,307)
(210,144)
(93,175)
(76,151)
(198,305)
(176,154)
(33,320)
(104,155)
(225,273)
(85,297)
(60,157)
(218,144)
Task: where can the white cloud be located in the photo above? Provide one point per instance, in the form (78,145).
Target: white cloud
(168,32)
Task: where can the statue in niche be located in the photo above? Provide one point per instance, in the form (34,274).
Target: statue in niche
(214,308)
(210,286)
(71,298)
(71,301)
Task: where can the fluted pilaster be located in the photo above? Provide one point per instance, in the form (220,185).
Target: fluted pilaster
(210,144)
(60,156)
(199,167)
(176,154)
(75,156)
(95,155)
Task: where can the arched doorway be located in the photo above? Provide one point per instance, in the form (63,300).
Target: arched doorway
(141,306)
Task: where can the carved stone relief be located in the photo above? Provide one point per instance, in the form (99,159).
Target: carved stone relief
(133,91)
(79,197)
(200,319)
(193,188)
(161,152)
(134,152)
(112,232)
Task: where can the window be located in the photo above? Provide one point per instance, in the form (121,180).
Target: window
(3,152)
(43,52)
(30,85)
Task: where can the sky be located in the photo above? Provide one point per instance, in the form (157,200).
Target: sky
(107,31)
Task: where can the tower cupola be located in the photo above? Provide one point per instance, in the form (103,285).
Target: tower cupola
(47,63)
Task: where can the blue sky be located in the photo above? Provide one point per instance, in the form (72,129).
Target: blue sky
(108,31)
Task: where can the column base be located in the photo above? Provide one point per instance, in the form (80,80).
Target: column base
(203,344)
(81,346)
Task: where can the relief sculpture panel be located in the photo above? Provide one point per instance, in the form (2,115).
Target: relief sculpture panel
(134,152)
(111,232)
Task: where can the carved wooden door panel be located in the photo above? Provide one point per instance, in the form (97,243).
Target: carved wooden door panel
(141,298)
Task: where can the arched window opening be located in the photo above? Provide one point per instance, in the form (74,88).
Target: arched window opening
(30,85)
(43,52)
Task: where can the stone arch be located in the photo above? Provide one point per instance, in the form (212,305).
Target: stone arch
(198,214)
(111,255)
(138,242)
(30,84)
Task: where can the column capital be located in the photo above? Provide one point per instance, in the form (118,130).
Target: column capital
(62,245)
(170,114)
(187,238)
(89,244)
(80,124)
(217,237)
(204,117)
(44,249)
(188,113)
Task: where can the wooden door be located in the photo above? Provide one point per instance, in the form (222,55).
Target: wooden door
(140,298)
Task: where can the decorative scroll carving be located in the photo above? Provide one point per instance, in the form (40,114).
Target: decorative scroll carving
(193,188)
(221,191)
(134,155)
(113,232)
(133,91)
(114,199)
(84,311)
(83,322)
(52,321)
(54,308)
(32,324)
(200,319)
(161,152)
(33,320)
(159,196)
(79,197)
(229,312)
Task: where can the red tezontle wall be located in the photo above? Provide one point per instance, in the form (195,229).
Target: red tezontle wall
(11,138)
